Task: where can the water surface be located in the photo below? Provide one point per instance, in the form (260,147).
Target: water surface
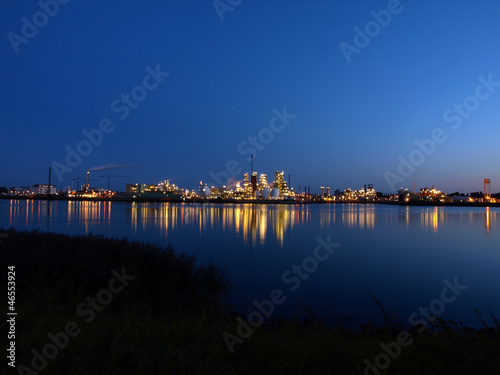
(400,254)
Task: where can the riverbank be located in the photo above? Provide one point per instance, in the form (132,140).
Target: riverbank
(118,307)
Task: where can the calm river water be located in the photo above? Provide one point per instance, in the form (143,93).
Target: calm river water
(402,255)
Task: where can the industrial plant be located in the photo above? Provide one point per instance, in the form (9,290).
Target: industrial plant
(254,187)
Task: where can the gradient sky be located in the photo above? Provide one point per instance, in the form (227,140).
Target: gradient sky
(353,120)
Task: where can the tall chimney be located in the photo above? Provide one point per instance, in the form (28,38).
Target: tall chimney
(87,187)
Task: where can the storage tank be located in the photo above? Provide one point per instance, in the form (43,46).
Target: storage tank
(257,194)
(275,193)
(206,192)
(265,193)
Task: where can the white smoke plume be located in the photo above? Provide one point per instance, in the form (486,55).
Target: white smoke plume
(112,166)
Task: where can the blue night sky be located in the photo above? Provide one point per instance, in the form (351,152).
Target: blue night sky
(227,79)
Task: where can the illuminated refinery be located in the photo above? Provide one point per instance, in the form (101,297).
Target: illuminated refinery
(253,187)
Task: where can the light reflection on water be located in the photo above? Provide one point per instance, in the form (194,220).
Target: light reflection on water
(254,222)
(257,223)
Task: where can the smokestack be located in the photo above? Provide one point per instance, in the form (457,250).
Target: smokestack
(252,163)
(253,181)
(87,187)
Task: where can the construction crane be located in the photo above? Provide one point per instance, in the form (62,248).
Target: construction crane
(109,176)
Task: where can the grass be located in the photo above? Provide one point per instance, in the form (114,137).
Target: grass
(170,320)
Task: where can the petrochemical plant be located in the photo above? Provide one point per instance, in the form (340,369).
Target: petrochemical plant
(253,188)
